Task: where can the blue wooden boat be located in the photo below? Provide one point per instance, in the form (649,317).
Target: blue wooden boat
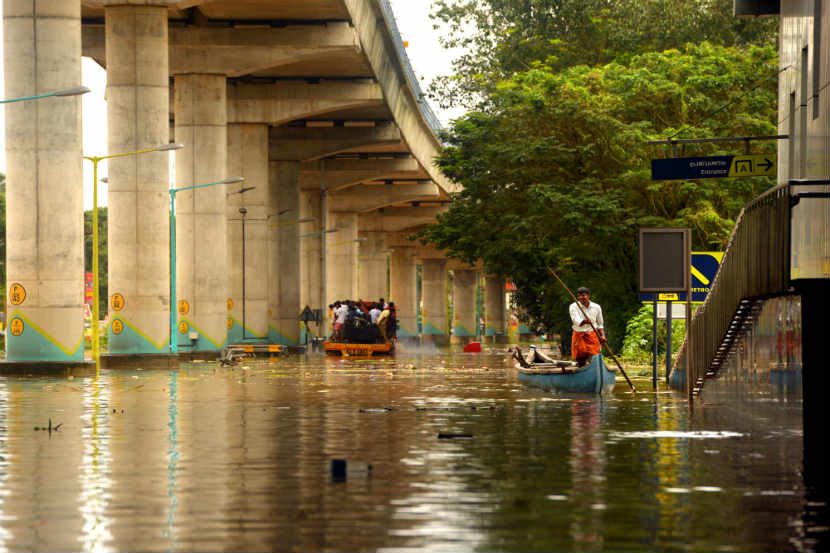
(562,376)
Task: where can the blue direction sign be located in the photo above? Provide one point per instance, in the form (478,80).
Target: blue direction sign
(714,167)
(705,266)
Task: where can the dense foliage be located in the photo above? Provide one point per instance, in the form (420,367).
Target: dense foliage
(556,170)
(500,38)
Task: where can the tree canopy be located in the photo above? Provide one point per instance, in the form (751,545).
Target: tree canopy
(503,37)
(556,170)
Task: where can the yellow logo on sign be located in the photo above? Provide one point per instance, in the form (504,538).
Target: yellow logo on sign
(667,297)
(184,307)
(117,326)
(117,302)
(753,166)
(16,326)
(17,294)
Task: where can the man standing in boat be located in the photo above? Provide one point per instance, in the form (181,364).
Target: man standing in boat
(584,342)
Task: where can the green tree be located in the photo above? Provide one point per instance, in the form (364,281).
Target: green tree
(503,37)
(103,255)
(556,172)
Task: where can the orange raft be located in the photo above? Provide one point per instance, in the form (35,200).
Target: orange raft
(356,349)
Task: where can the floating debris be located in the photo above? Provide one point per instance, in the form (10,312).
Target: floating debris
(450,436)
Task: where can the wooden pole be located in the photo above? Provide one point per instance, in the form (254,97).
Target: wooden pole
(611,353)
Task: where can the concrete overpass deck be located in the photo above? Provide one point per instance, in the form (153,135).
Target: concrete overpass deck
(313,102)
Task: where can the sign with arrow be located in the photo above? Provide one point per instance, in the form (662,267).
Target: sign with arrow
(714,167)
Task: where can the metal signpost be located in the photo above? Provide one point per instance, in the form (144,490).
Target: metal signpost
(665,268)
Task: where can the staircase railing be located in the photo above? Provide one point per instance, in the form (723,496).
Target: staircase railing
(756,265)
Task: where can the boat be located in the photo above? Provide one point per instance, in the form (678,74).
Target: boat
(358,349)
(360,338)
(541,371)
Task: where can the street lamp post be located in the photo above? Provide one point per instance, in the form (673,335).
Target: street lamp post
(95,300)
(243,211)
(174,345)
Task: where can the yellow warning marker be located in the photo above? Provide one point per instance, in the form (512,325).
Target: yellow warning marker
(17,294)
(117,302)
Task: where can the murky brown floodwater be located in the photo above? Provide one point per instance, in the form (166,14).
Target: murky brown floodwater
(208,458)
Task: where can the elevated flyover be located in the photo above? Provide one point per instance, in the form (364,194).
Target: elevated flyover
(313,102)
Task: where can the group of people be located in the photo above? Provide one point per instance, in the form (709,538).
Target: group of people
(360,321)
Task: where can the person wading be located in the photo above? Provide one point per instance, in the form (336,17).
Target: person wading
(584,341)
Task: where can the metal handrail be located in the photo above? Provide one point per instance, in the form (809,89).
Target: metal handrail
(409,74)
(755,265)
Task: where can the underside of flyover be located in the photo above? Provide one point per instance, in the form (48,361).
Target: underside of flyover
(312,102)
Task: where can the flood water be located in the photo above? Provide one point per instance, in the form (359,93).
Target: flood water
(208,458)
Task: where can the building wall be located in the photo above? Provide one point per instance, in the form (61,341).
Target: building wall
(804,115)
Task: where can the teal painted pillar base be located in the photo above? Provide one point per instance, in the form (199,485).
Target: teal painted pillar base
(235,335)
(404,333)
(277,337)
(433,334)
(201,344)
(460,331)
(33,345)
(130,340)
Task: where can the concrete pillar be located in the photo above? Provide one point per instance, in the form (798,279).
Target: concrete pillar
(464,305)
(138,118)
(341,257)
(494,309)
(372,259)
(402,265)
(248,158)
(434,300)
(201,214)
(44,174)
(285,285)
(310,260)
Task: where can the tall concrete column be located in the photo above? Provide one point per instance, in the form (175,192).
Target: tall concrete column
(464,305)
(434,300)
(310,258)
(248,158)
(372,259)
(201,214)
(402,267)
(285,287)
(341,257)
(44,174)
(494,308)
(138,118)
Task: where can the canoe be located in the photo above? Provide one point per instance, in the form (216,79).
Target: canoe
(563,376)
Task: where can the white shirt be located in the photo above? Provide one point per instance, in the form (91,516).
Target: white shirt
(341,313)
(594,312)
(374,313)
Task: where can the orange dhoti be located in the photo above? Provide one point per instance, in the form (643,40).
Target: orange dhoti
(584,344)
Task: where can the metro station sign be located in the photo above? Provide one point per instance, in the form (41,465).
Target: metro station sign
(705,266)
(714,167)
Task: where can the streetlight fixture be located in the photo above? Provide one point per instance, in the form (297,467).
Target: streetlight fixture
(174,344)
(95,161)
(74,91)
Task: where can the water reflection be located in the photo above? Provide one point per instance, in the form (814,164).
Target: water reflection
(4,456)
(95,463)
(210,458)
